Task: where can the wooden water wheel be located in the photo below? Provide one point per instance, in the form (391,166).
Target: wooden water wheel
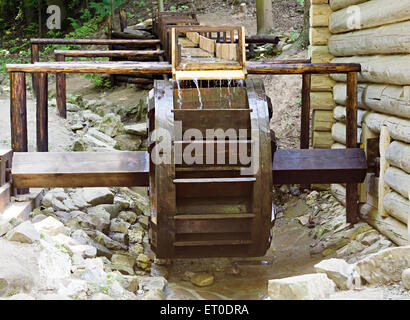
(210,209)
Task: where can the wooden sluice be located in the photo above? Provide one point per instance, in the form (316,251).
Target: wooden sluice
(198,208)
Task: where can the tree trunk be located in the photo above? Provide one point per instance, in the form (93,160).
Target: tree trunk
(160,5)
(304,37)
(264,16)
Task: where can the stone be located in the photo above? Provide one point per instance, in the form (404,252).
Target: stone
(405,277)
(350,248)
(136,235)
(24,233)
(143,262)
(5,225)
(128,216)
(138,129)
(130,283)
(119,237)
(47,200)
(111,125)
(96,138)
(136,249)
(72,107)
(84,250)
(119,225)
(59,205)
(91,117)
(113,209)
(125,204)
(124,263)
(79,145)
(37,218)
(202,279)
(101,296)
(78,199)
(21,297)
(304,287)
(99,218)
(152,283)
(143,221)
(159,271)
(107,242)
(75,289)
(385,266)
(339,271)
(96,196)
(127,142)
(77,126)
(50,226)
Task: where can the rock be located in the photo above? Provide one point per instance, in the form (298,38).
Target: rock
(143,221)
(77,126)
(47,200)
(339,271)
(136,235)
(311,198)
(75,289)
(202,279)
(152,283)
(74,247)
(99,218)
(101,296)
(79,145)
(127,142)
(37,218)
(125,204)
(138,129)
(112,209)
(143,262)
(304,220)
(119,237)
(153,295)
(111,125)
(5,225)
(91,116)
(128,216)
(119,225)
(96,196)
(106,241)
(21,296)
(304,287)
(78,199)
(385,266)
(136,249)
(405,277)
(130,283)
(50,226)
(124,263)
(159,271)
(350,248)
(24,232)
(72,107)
(58,205)
(96,138)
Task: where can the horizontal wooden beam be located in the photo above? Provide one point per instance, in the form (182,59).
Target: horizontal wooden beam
(108,53)
(80,169)
(132,67)
(97,41)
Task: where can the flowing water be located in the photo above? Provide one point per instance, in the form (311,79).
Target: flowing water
(199,94)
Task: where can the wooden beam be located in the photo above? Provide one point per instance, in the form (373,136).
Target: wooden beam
(80,169)
(61,89)
(42,112)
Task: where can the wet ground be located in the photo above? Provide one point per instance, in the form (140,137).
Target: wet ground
(247,279)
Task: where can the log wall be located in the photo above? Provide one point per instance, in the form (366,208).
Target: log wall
(380,42)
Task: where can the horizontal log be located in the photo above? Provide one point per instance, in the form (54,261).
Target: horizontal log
(339,94)
(166,68)
(398,180)
(141,81)
(319,15)
(126,35)
(338,145)
(322,140)
(339,113)
(319,54)
(389,99)
(152,42)
(389,69)
(397,206)
(262,39)
(393,229)
(109,53)
(321,101)
(319,1)
(322,120)
(398,155)
(389,39)
(340,4)
(314,68)
(369,14)
(399,128)
(123,67)
(319,36)
(339,133)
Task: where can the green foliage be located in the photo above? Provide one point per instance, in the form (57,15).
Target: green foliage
(301,2)
(103,7)
(99,80)
(179,9)
(294,35)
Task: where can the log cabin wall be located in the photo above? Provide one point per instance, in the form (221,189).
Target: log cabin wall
(380,42)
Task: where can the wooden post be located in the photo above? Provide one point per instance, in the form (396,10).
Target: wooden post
(352,195)
(61,89)
(305,116)
(42,112)
(18,115)
(123,20)
(34,58)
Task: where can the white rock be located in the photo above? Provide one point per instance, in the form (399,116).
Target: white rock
(50,226)
(104,140)
(86,251)
(385,266)
(24,232)
(339,271)
(304,287)
(138,129)
(405,276)
(101,296)
(96,196)
(21,296)
(74,288)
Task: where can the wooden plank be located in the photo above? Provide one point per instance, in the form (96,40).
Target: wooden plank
(42,112)
(215,216)
(319,166)
(211,243)
(108,53)
(215,180)
(212,226)
(61,96)
(305,114)
(152,42)
(80,169)
(18,112)
(5,192)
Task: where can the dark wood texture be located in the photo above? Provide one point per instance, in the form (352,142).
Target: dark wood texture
(34,58)
(80,169)
(352,194)
(61,95)
(42,112)
(136,42)
(108,53)
(305,114)
(18,112)
(308,166)
(313,68)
